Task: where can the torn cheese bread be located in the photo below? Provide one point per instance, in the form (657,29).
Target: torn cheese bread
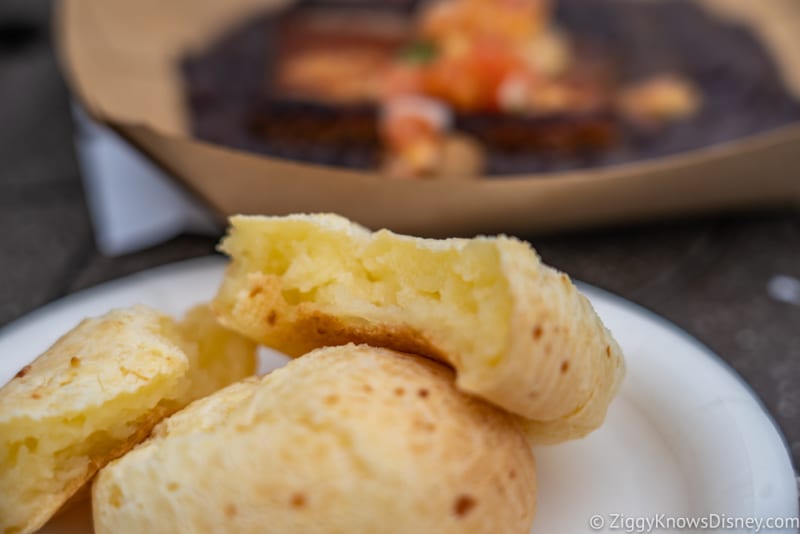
(517,332)
(97,392)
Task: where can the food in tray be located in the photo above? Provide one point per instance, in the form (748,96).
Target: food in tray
(349,439)
(468,88)
(97,392)
(465,57)
(517,332)
(457,57)
(470,350)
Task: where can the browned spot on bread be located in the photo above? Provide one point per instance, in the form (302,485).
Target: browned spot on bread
(230,510)
(331,399)
(36,395)
(173,486)
(537,332)
(565,366)
(399,391)
(74,361)
(115,496)
(272,317)
(608,351)
(512,474)
(254,291)
(298,500)
(422,392)
(367,388)
(22,372)
(316,329)
(463,505)
(66,380)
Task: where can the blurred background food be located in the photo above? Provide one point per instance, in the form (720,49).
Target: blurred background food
(531,85)
(80,205)
(575,112)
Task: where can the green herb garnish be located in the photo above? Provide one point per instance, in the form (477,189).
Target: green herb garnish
(420,52)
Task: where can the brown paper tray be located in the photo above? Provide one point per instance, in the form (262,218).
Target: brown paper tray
(121,61)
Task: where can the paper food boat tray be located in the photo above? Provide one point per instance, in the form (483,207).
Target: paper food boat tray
(120,59)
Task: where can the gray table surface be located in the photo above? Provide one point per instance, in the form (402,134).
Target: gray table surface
(709,275)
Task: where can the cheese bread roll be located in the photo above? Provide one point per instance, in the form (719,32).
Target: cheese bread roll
(517,333)
(217,356)
(349,439)
(97,392)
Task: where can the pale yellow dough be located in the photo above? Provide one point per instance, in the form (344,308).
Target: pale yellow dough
(517,333)
(345,440)
(98,391)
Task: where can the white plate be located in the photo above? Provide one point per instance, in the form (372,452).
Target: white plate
(686,438)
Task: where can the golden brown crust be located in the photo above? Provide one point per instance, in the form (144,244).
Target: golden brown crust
(320,329)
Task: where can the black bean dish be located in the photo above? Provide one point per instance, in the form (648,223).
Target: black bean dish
(445,90)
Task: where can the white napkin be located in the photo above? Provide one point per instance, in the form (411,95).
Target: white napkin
(133,203)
